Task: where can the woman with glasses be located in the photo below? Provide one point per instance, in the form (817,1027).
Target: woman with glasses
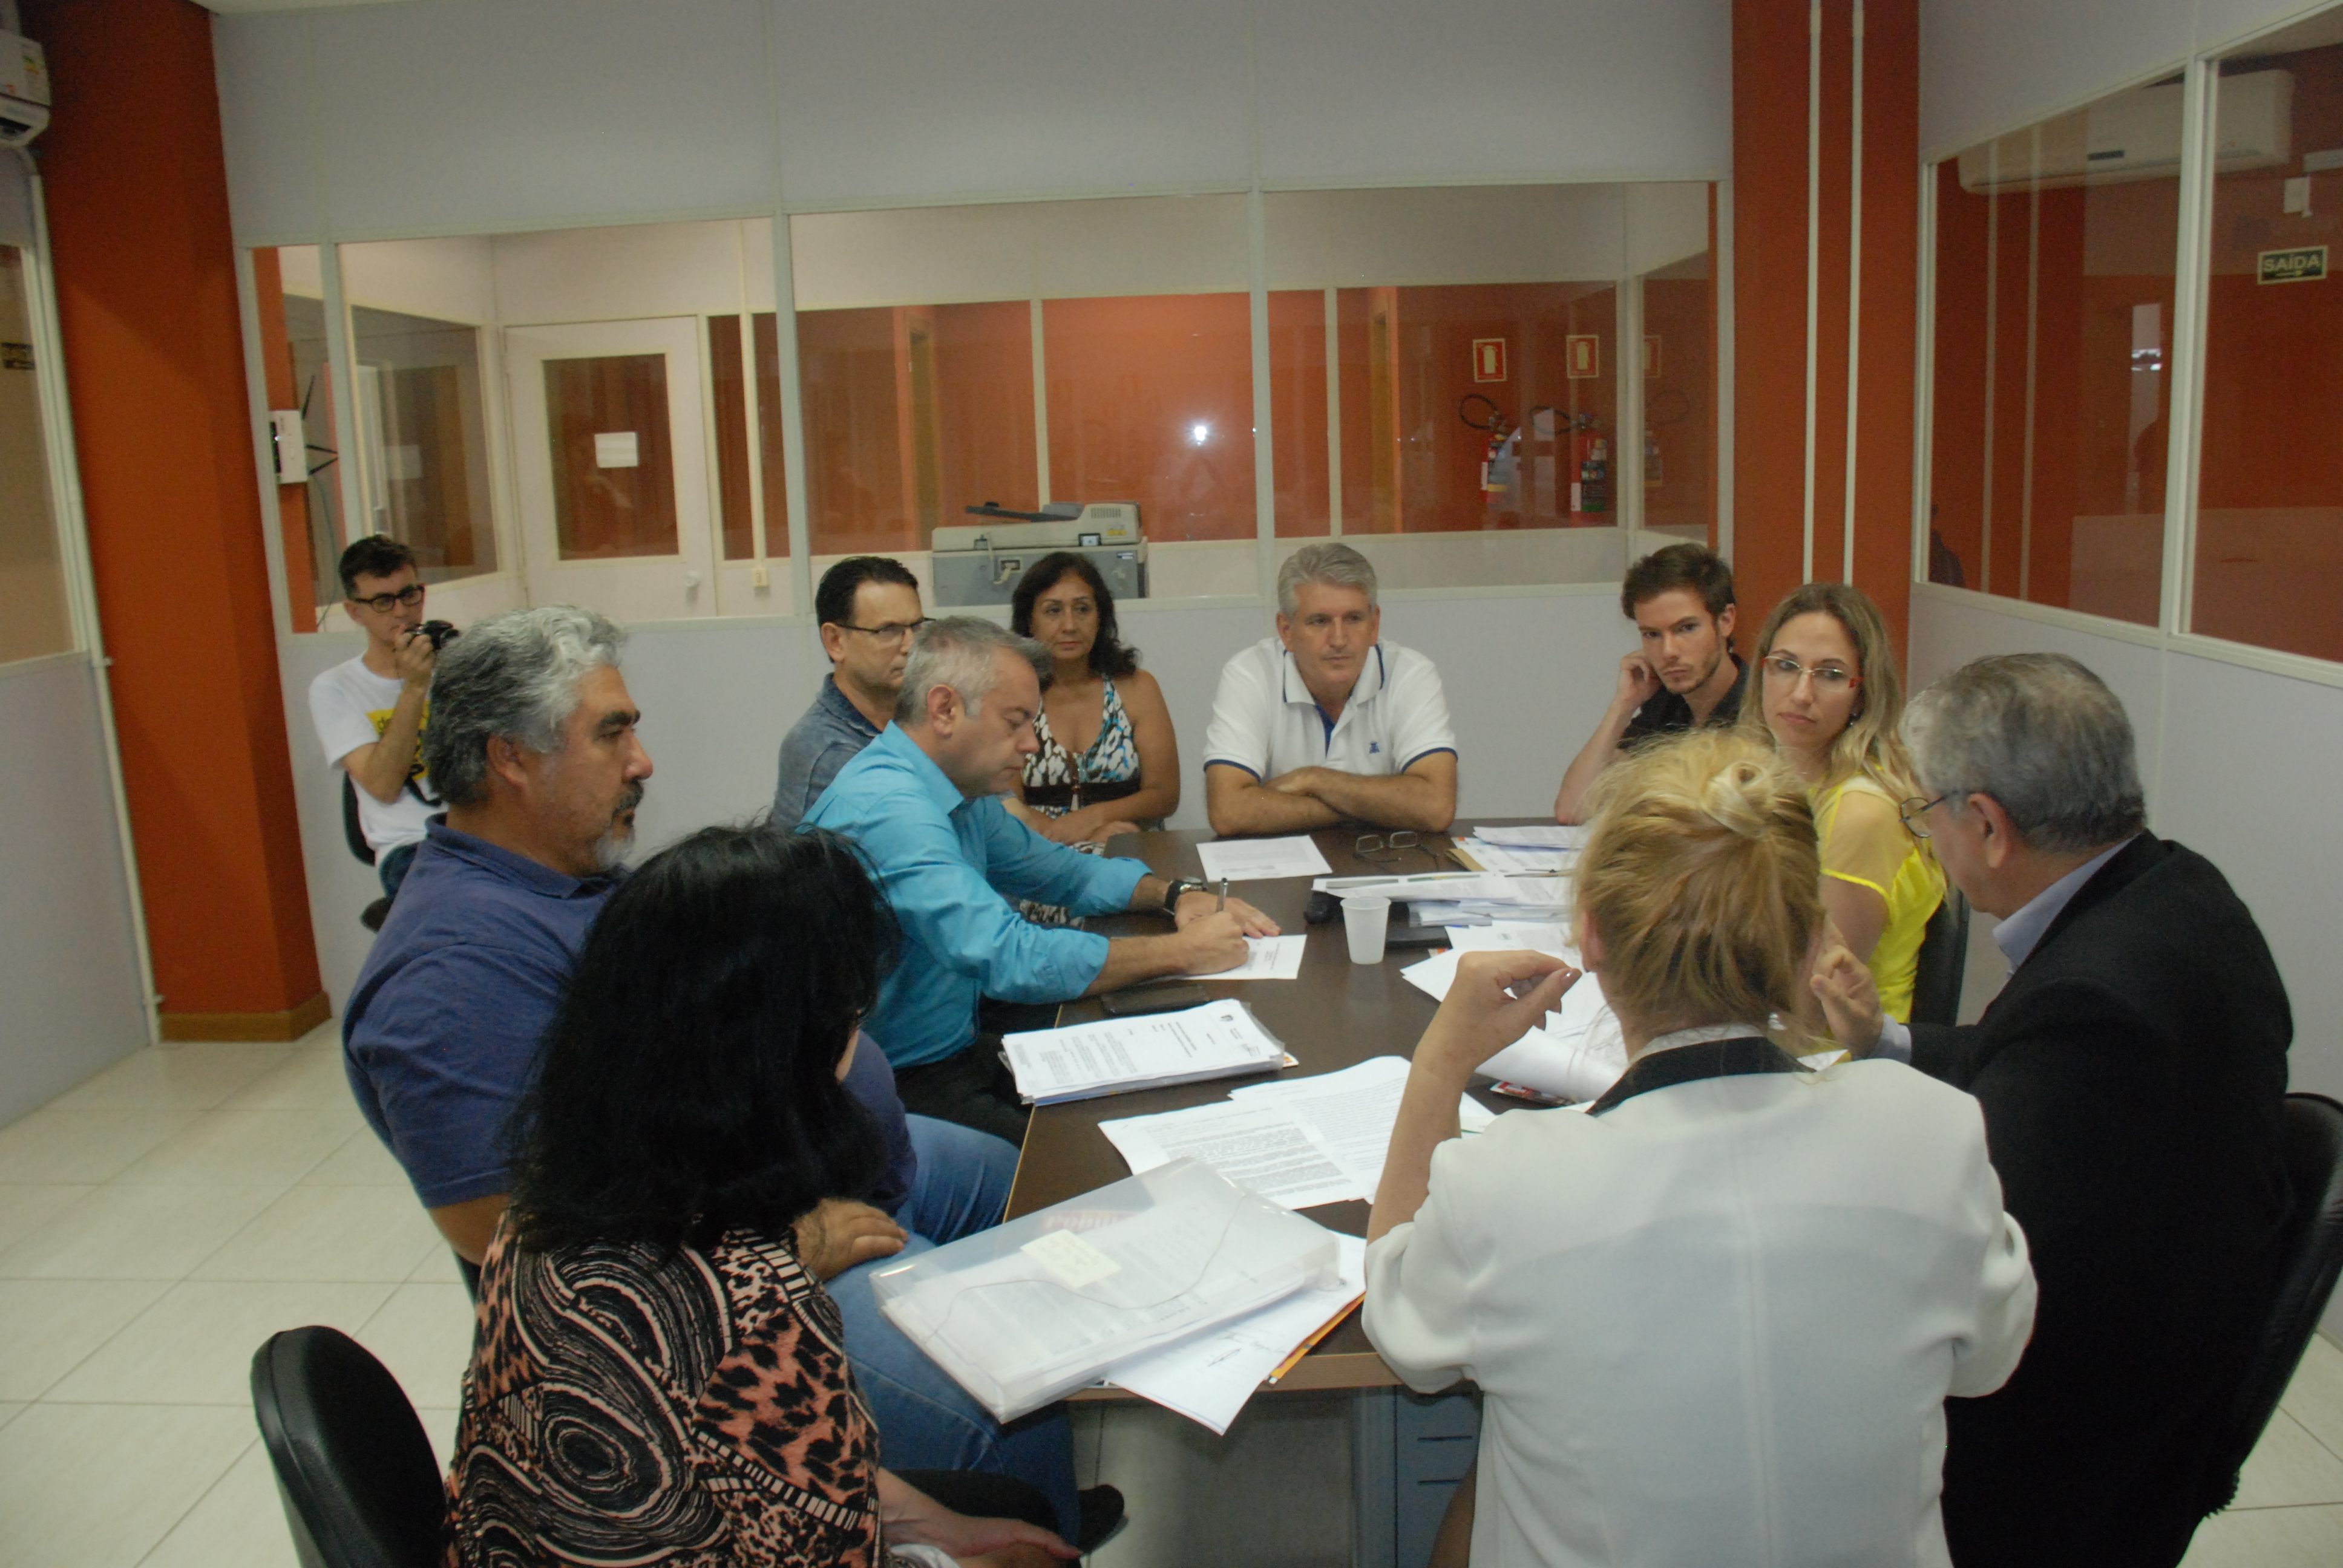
(658,1375)
(1830,701)
(1109,761)
(1714,1318)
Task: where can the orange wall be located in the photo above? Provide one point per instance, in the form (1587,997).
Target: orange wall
(1770,209)
(137,197)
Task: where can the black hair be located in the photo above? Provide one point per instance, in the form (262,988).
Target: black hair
(833,601)
(689,1083)
(1108,656)
(1687,566)
(375,555)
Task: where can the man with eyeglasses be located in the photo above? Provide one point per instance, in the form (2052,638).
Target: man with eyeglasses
(369,711)
(869,606)
(2131,1075)
(1684,676)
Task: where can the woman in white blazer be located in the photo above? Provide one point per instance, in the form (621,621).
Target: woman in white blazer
(1715,1317)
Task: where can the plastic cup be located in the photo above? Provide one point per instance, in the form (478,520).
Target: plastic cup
(1365,920)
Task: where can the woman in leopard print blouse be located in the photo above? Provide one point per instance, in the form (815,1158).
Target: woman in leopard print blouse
(659,1377)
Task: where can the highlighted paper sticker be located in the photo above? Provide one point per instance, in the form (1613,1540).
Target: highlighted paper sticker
(1073,1261)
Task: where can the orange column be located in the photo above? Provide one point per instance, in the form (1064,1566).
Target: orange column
(1771,145)
(137,196)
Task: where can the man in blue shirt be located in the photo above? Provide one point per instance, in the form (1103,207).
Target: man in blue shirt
(534,746)
(922,803)
(869,606)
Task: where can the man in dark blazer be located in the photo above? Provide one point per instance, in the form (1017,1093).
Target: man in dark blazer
(2130,1072)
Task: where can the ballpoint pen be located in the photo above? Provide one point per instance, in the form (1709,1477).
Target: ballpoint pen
(1223,902)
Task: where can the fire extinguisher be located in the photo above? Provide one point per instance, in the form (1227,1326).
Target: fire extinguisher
(1499,460)
(1590,491)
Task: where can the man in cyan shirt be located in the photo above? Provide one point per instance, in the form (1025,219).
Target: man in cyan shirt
(443,1024)
(923,804)
(869,606)
(1325,722)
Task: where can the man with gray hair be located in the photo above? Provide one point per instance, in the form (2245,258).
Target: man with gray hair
(922,803)
(2130,1074)
(1325,723)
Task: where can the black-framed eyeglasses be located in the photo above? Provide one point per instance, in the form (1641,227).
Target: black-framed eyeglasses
(384,603)
(893,631)
(1382,849)
(1913,810)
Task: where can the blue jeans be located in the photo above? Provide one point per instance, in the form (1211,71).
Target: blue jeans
(926,1421)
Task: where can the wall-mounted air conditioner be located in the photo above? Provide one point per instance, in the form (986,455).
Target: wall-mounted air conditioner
(2135,135)
(24,90)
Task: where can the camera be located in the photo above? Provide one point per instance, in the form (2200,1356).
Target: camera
(440,632)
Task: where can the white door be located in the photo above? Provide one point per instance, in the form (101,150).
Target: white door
(612,449)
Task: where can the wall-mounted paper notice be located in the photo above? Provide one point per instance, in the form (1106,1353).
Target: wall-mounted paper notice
(616,449)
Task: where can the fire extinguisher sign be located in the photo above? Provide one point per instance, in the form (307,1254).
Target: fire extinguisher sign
(1585,355)
(1488,359)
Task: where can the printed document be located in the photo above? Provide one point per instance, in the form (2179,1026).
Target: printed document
(1219,1040)
(1353,1113)
(1209,1378)
(1260,859)
(1259,1145)
(1266,958)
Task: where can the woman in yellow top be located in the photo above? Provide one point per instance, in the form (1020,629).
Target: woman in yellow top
(1831,700)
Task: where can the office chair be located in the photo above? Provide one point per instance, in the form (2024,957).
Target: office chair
(1943,956)
(2305,1258)
(359,1485)
(372,917)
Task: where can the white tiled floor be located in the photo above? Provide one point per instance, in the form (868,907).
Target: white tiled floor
(160,1221)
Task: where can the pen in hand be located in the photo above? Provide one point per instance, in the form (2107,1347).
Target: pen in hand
(1223,902)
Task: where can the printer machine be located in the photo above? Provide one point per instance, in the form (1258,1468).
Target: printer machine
(979,563)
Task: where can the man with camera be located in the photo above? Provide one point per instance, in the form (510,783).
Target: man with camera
(369,711)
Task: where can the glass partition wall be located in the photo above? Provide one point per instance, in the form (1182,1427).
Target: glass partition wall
(2138,290)
(609,416)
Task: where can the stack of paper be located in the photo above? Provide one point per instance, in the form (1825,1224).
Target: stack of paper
(1220,1039)
(1538,836)
(1023,1312)
(1208,1377)
(1260,859)
(1298,1141)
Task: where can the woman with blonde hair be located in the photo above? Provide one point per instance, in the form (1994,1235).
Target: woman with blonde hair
(1829,701)
(1714,1318)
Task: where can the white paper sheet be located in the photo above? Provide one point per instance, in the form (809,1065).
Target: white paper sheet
(1514,860)
(1258,1143)
(1514,936)
(1266,958)
(1541,835)
(1209,1378)
(1352,1112)
(1448,886)
(1218,1038)
(1260,859)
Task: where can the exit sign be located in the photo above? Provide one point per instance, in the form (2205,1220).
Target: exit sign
(2306,265)
(1488,359)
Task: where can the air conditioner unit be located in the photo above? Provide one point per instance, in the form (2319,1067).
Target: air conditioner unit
(24,90)
(2135,135)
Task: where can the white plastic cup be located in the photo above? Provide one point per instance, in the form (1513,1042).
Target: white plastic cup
(1365,920)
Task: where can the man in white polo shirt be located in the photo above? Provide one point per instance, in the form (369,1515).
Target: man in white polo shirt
(1323,723)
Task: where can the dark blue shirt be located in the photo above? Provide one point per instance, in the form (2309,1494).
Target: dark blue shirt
(825,740)
(442,1027)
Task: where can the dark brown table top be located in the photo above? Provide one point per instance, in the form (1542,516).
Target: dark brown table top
(1337,1015)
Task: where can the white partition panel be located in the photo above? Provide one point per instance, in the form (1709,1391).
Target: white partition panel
(268,126)
(916,101)
(1370,91)
(68,956)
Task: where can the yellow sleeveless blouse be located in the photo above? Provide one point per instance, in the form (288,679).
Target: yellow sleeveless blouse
(1871,849)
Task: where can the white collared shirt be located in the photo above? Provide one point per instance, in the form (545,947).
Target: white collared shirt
(1265,721)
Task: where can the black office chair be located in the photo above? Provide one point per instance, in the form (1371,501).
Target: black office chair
(2305,1258)
(1943,956)
(354,835)
(360,1487)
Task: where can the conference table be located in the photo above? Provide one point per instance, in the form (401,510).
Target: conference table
(1335,1015)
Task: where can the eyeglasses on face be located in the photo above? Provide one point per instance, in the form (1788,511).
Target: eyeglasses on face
(1829,679)
(1384,850)
(1915,811)
(384,603)
(893,631)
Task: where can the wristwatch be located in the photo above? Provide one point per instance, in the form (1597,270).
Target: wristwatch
(1179,888)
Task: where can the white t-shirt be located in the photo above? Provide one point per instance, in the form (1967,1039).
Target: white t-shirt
(1265,721)
(351,706)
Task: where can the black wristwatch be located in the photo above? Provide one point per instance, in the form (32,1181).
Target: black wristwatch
(1179,888)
